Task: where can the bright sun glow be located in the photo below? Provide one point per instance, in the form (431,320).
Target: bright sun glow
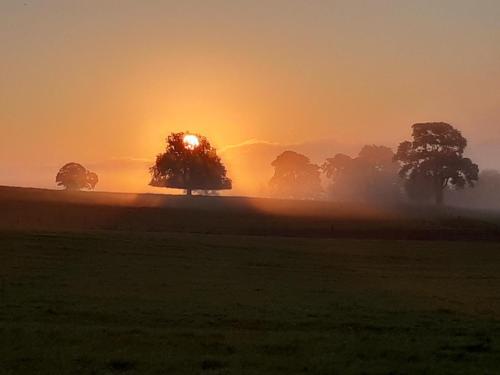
(191,141)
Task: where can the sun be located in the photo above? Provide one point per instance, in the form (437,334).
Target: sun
(191,141)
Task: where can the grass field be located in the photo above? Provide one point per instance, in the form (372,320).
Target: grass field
(164,302)
(186,304)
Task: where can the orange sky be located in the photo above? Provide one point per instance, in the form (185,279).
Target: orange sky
(103,82)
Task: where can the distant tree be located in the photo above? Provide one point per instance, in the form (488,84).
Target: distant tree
(379,157)
(371,176)
(74,176)
(434,160)
(295,177)
(190,163)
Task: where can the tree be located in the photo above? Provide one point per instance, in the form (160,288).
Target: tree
(371,176)
(435,159)
(74,176)
(295,177)
(191,163)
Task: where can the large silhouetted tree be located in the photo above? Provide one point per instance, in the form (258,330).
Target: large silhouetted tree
(74,176)
(295,177)
(191,163)
(434,160)
(371,176)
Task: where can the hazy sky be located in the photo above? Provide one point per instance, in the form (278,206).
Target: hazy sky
(93,81)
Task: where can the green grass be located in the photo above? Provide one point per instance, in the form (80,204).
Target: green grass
(136,303)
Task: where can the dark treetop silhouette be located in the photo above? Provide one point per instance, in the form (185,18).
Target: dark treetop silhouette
(191,163)
(434,160)
(74,176)
(295,177)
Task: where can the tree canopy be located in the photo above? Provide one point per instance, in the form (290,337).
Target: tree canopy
(74,176)
(434,160)
(295,177)
(191,163)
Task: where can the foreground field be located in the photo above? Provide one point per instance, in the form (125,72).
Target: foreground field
(160,303)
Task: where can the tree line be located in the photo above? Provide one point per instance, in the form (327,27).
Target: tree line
(422,169)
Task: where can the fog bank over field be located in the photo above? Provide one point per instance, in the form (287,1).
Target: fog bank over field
(49,210)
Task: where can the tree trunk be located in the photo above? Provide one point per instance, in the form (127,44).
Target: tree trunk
(189,192)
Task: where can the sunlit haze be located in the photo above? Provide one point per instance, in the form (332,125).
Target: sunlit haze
(103,83)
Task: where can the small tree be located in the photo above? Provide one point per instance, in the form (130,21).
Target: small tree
(435,159)
(191,163)
(74,176)
(295,177)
